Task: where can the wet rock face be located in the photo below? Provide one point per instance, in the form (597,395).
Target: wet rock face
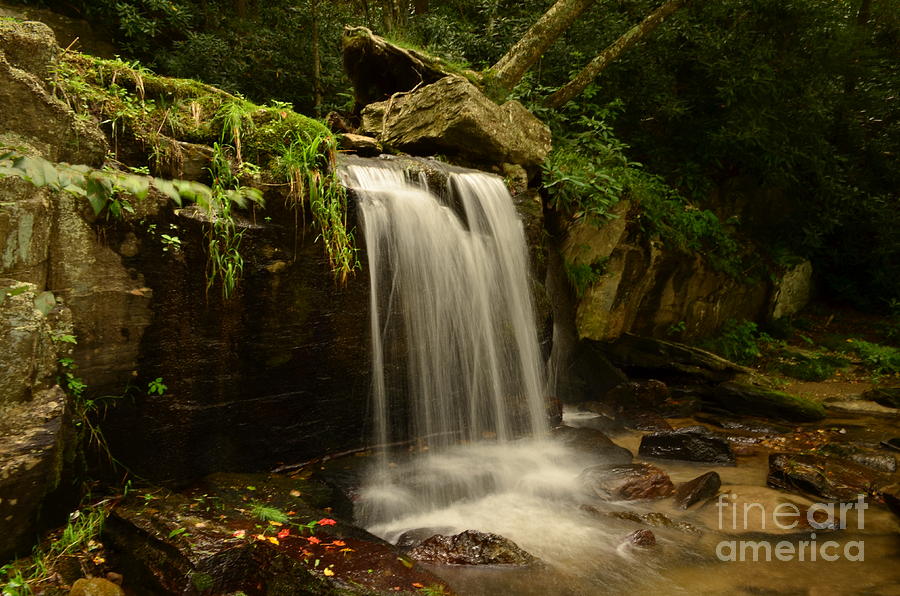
(827,477)
(208,540)
(700,488)
(37,439)
(687,446)
(627,482)
(471,548)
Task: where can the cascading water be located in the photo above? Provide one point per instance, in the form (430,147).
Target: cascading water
(457,371)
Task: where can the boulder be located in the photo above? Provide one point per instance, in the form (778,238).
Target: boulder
(451,116)
(471,548)
(593,442)
(826,477)
(378,68)
(95,586)
(700,488)
(791,291)
(359,144)
(214,538)
(687,446)
(626,482)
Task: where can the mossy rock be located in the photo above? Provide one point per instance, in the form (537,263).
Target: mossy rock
(746,399)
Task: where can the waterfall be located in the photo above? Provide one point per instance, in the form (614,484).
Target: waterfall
(454,344)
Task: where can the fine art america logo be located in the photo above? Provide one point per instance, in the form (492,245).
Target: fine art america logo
(787,516)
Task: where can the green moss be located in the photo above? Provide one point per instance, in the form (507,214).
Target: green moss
(274,129)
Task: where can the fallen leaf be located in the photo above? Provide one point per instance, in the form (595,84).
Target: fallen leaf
(273,540)
(339,543)
(418,585)
(347,550)
(239,534)
(326,521)
(313,540)
(284,533)
(328,572)
(295,493)
(275,523)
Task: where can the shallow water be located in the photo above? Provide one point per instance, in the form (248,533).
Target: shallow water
(527,491)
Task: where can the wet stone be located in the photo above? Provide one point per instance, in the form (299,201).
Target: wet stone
(827,477)
(700,488)
(687,445)
(626,482)
(471,548)
(653,518)
(95,586)
(642,538)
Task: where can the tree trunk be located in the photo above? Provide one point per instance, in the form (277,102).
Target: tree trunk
(590,72)
(511,67)
(316,59)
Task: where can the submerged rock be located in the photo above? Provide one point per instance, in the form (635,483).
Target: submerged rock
(627,482)
(471,548)
(595,442)
(687,446)
(700,488)
(654,518)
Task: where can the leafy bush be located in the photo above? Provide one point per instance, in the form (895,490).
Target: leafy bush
(878,358)
(739,341)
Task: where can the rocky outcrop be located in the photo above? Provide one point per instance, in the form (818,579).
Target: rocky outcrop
(645,287)
(37,439)
(27,52)
(452,117)
(216,538)
(594,443)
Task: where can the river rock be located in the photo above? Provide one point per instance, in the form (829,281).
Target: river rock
(594,442)
(642,538)
(451,116)
(95,586)
(471,548)
(827,477)
(416,536)
(700,488)
(626,482)
(687,446)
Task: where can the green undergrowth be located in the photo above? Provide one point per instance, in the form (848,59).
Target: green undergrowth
(154,121)
(589,171)
(80,537)
(767,348)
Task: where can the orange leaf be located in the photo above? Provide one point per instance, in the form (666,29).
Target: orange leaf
(326,521)
(339,543)
(313,540)
(284,533)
